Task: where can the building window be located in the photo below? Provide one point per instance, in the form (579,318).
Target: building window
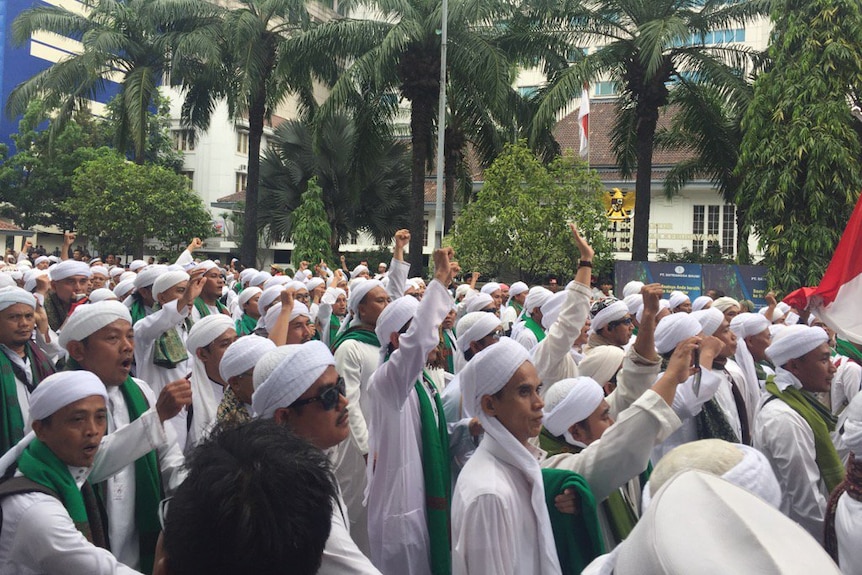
(184,140)
(425,232)
(242,142)
(605,89)
(697,229)
(528,91)
(712,222)
(728,229)
(241,181)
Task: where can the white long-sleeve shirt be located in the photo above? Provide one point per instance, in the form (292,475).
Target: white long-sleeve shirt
(341,554)
(552,356)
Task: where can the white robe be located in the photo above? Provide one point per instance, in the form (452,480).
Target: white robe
(397,521)
(341,555)
(845,383)
(848,527)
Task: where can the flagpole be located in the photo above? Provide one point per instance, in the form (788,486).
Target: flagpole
(441,129)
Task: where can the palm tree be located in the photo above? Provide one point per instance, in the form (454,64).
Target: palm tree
(645,46)
(129,39)
(364,179)
(401,51)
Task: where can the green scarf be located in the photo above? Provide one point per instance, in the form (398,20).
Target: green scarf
(11,418)
(534,327)
(848,349)
(204,311)
(38,463)
(237,287)
(712,424)
(245,325)
(821,421)
(450,348)
(554,445)
(438,481)
(357,333)
(578,537)
(138,309)
(334,326)
(170,350)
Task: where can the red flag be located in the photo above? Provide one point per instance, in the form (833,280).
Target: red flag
(584,122)
(837,299)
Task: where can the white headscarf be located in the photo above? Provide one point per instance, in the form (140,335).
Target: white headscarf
(243,354)
(633,287)
(204,332)
(394,317)
(14,295)
(701,302)
(745,325)
(601,363)
(90,318)
(69,268)
(675,329)
(358,291)
(472,327)
(571,401)
(793,342)
(710,319)
(299,367)
(676,299)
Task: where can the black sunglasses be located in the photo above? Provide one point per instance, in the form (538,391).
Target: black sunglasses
(328,398)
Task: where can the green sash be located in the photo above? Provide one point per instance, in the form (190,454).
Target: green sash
(138,309)
(334,326)
(438,481)
(169,350)
(357,333)
(712,424)
(534,327)
(204,311)
(554,445)
(577,537)
(11,418)
(848,349)
(450,356)
(821,421)
(245,325)
(237,287)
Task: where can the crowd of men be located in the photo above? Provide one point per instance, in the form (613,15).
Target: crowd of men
(195,417)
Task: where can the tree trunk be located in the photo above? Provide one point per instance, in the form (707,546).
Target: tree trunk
(454,143)
(743,256)
(256,114)
(421,124)
(643,185)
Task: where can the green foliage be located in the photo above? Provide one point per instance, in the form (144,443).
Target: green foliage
(311,229)
(517,227)
(713,255)
(159,149)
(799,159)
(118,205)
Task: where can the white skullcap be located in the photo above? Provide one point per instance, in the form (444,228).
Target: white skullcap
(102,294)
(247,273)
(795,341)
(464,289)
(710,320)
(122,289)
(474,326)
(299,368)
(24,265)
(479,302)
(851,430)
(54,259)
(168,280)
(147,276)
(739,533)
(583,398)
(614,312)
(676,299)
(41,259)
(602,363)
(314,283)
(64,388)
(746,324)
(662,304)
(90,318)
(358,270)
(489,371)
(268,297)
(69,268)
(490,288)
(299,309)
(6,280)
(128,276)
(725,303)
(31,277)
(358,292)
(259,278)
(296,286)
(205,265)
(332,294)
(207,329)
(517,288)
(13,295)
(632,288)
(247,294)
(101,270)
(675,329)
(243,354)
(275,281)
(536,297)
(701,302)
(116,270)
(634,301)
(551,308)
(394,317)
(136,265)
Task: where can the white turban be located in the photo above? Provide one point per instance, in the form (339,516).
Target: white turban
(205,265)
(479,302)
(358,270)
(206,330)
(6,280)
(795,341)
(710,320)
(725,303)
(675,329)
(102,294)
(267,364)
(90,318)
(128,276)
(245,274)
(64,388)
(168,280)
(299,309)
(116,270)
(583,397)
(551,308)
(14,295)
(147,276)
(474,326)
(243,354)
(463,290)
(69,268)
(268,297)
(614,312)
(101,270)
(31,277)
(634,301)
(701,302)
(536,297)
(357,294)
(676,299)
(299,368)
(490,371)
(247,294)
(42,259)
(517,288)
(662,304)
(332,294)
(259,279)
(632,288)
(394,317)
(122,289)
(490,287)
(602,363)
(747,324)
(136,265)
(295,285)
(314,283)
(275,281)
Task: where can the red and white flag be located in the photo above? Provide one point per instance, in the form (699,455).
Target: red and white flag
(584,122)
(837,299)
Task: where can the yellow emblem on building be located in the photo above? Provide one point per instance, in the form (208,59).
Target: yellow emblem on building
(619,204)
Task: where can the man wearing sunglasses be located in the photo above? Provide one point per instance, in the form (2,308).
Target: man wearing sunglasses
(297,386)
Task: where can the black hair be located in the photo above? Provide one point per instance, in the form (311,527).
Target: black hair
(257,499)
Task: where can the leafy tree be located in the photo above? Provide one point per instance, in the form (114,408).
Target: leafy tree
(799,160)
(119,205)
(364,178)
(159,148)
(646,47)
(311,230)
(517,225)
